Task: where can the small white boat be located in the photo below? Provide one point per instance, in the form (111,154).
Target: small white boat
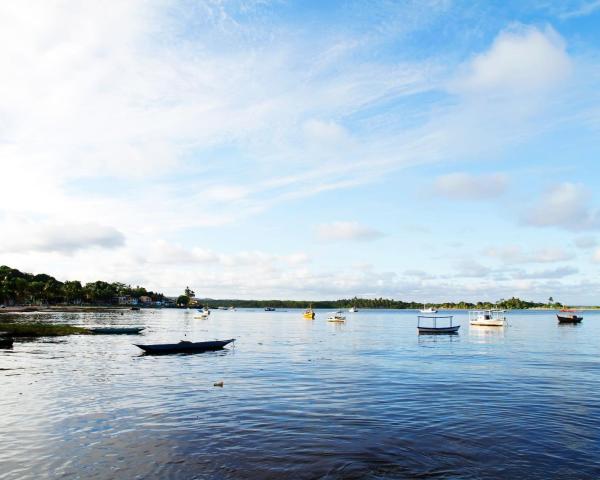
(336,317)
(204,313)
(487,318)
(353,310)
(428,310)
(232,308)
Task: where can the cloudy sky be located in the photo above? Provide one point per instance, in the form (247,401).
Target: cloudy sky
(425,150)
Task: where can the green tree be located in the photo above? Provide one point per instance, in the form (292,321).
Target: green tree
(189,292)
(183,300)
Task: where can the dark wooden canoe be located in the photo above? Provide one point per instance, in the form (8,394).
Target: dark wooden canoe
(569,318)
(185,347)
(438,330)
(116,330)
(6,342)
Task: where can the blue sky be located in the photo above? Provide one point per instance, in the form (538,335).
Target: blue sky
(253,149)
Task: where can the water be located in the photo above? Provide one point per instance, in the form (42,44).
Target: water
(369,399)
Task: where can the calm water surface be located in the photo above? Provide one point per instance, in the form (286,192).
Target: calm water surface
(368,399)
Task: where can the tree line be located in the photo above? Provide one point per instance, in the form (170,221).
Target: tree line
(18,287)
(374,303)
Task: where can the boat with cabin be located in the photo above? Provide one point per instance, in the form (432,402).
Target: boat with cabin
(309,313)
(353,310)
(428,310)
(336,317)
(269,309)
(430,325)
(487,318)
(567,315)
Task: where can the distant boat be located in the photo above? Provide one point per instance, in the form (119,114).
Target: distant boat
(336,317)
(185,347)
(204,313)
(569,316)
(433,328)
(232,308)
(487,318)
(269,309)
(428,310)
(353,310)
(309,313)
(135,308)
(222,308)
(116,330)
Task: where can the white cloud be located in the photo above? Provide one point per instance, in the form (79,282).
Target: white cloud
(471,269)
(346,231)
(565,205)
(465,186)
(521,60)
(514,254)
(559,272)
(585,242)
(163,252)
(67,239)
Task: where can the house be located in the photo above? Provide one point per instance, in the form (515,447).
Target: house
(145,299)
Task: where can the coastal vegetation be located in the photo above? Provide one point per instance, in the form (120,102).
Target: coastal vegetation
(39,329)
(18,287)
(374,303)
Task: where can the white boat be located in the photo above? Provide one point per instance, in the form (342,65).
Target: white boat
(204,313)
(353,310)
(336,317)
(231,308)
(487,318)
(428,310)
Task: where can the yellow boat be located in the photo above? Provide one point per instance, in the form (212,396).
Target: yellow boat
(309,314)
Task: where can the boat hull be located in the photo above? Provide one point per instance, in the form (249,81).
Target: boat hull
(309,316)
(438,330)
(185,347)
(116,330)
(488,323)
(569,319)
(6,342)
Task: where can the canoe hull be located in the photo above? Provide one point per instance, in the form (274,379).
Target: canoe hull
(185,347)
(116,330)
(438,330)
(6,342)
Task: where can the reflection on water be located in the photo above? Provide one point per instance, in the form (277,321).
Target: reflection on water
(304,399)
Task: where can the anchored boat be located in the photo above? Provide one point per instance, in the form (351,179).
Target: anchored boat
(428,310)
(432,324)
(569,316)
(116,330)
(309,313)
(185,347)
(336,317)
(487,318)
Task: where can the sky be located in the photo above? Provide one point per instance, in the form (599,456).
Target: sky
(426,150)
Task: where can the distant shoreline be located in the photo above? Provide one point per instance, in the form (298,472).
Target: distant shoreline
(121,308)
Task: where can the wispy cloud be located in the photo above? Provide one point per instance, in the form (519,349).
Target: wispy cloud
(346,231)
(465,186)
(514,254)
(566,205)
